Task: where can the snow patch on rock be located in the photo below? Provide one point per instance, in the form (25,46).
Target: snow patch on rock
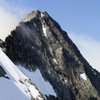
(44,30)
(83,76)
(55,61)
(42,15)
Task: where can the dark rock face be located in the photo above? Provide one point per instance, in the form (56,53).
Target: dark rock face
(57,57)
(2,72)
(1,43)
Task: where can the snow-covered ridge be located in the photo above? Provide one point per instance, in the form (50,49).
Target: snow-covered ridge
(18,78)
(9,91)
(44,86)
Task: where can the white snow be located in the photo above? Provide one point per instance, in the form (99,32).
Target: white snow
(44,86)
(55,61)
(17,77)
(44,30)
(42,15)
(8,91)
(83,76)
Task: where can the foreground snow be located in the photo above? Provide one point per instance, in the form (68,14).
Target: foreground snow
(44,86)
(8,91)
(18,78)
(20,81)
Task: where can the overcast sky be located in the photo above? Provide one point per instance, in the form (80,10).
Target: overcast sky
(80,18)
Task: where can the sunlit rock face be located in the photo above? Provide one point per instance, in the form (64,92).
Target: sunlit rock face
(39,42)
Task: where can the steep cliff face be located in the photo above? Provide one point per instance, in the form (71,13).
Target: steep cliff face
(39,42)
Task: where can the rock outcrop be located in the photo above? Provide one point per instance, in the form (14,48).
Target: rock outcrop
(39,42)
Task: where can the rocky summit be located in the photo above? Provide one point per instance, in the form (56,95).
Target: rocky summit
(38,44)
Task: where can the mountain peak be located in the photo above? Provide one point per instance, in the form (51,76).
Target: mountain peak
(34,14)
(40,43)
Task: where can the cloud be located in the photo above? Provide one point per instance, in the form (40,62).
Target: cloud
(10,15)
(16,7)
(7,23)
(89,48)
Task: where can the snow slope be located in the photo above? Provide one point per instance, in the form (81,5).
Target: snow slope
(44,86)
(18,78)
(8,91)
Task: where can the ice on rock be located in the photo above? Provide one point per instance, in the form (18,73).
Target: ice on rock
(42,15)
(55,61)
(44,30)
(83,76)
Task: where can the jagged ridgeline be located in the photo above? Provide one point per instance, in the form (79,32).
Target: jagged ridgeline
(38,42)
